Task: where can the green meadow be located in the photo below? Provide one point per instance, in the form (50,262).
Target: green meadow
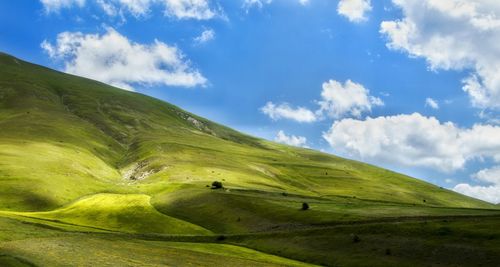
(92,175)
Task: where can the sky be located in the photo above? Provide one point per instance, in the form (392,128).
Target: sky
(409,85)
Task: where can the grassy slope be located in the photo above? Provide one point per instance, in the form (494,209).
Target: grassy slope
(33,244)
(445,242)
(67,137)
(78,152)
(130,213)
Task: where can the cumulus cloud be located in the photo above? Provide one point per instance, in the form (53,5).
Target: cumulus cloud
(56,5)
(291,140)
(205,36)
(429,102)
(180,9)
(489,192)
(338,100)
(349,98)
(491,175)
(414,140)
(453,35)
(354,10)
(285,111)
(112,58)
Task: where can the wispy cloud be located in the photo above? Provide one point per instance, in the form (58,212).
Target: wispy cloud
(285,111)
(205,36)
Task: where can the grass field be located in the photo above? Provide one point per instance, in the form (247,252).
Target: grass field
(92,175)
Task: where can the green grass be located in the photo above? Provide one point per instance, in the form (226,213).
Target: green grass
(426,242)
(130,213)
(88,169)
(33,245)
(64,137)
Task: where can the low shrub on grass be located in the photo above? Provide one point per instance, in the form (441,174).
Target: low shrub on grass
(355,238)
(217,185)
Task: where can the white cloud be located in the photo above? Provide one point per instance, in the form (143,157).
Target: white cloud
(112,58)
(487,193)
(189,9)
(107,7)
(180,9)
(429,102)
(205,36)
(337,101)
(414,140)
(284,111)
(491,175)
(453,35)
(291,140)
(350,98)
(354,10)
(304,2)
(248,4)
(135,7)
(56,5)
(489,117)
(490,192)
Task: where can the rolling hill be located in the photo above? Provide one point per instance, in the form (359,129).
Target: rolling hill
(86,167)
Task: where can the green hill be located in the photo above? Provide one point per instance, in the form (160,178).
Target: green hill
(78,153)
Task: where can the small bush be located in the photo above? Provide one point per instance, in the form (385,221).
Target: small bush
(221,238)
(388,251)
(443,231)
(355,238)
(216,185)
(305,206)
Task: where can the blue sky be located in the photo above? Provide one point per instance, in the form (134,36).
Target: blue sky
(373,81)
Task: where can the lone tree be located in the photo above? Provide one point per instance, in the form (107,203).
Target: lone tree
(305,206)
(216,185)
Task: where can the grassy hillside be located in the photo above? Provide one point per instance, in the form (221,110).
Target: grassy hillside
(67,137)
(84,157)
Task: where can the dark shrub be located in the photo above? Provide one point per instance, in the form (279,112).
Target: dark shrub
(443,231)
(221,238)
(216,185)
(305,206)
(388,251)
(355,238)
